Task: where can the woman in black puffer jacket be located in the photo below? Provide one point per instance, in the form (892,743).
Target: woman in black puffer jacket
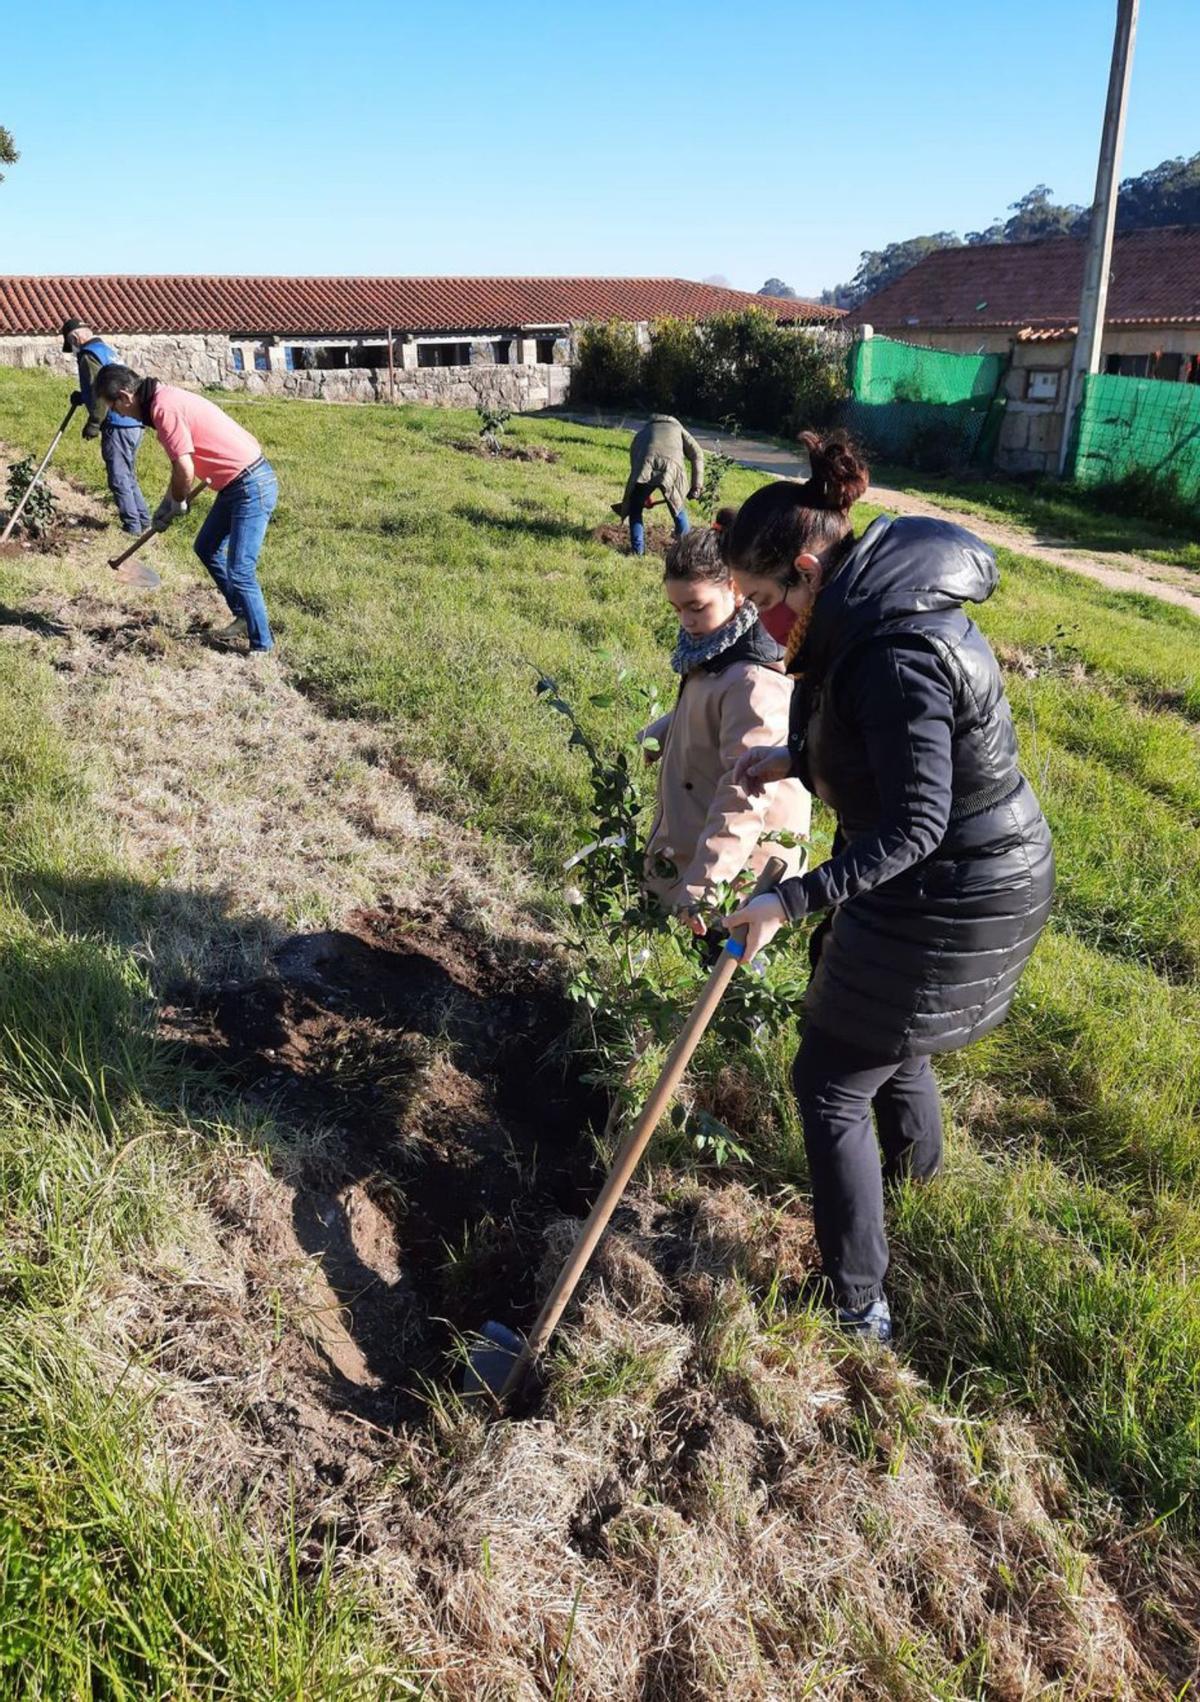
(942,872)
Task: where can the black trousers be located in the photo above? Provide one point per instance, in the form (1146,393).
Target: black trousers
(836,1087)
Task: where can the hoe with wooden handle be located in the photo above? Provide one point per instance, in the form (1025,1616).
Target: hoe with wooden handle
(45,462)
(139,575)
(499,1365)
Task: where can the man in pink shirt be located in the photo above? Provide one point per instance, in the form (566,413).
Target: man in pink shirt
(202,442)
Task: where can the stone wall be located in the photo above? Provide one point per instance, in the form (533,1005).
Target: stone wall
(1032,428)
(524,389)
(204,361)
(179,360)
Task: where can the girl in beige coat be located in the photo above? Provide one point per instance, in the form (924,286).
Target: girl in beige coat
(733,694)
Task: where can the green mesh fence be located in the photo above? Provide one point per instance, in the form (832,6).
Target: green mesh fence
(1138,426)
(925,407)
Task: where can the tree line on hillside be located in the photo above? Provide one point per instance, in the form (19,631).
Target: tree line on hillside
(1167,194)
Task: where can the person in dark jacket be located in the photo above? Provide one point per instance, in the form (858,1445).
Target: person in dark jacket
(942,871)
(119,437)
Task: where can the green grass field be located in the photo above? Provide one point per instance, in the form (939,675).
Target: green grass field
(1057,513)
(1052,1277)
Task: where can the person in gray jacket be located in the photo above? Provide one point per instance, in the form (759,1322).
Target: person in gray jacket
(656,463)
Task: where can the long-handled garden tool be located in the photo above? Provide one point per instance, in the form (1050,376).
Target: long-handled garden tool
(45,462)
(139,574)
(498,1366)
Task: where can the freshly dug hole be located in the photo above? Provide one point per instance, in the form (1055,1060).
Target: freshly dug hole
(409,1066)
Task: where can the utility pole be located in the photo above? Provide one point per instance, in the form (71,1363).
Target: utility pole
(1098,258)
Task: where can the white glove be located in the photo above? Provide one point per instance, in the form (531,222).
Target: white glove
(167,510)
(762,918)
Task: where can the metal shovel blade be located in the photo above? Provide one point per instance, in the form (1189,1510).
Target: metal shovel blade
(490,1360)
(137,573)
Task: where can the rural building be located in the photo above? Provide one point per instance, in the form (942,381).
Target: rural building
(1021,299)
(454,341)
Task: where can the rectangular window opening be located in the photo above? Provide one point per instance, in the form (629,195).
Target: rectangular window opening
(318,357)
(443,354)
(1128,366)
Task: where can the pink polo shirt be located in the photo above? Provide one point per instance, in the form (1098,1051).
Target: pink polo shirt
(191,425)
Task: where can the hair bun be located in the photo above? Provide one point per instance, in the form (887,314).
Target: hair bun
(839,474)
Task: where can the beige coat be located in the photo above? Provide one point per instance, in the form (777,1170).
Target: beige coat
(705,825)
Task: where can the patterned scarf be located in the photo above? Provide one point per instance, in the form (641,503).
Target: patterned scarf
(692,653)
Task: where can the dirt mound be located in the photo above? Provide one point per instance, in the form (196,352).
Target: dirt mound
(616,536)
(59,537)
(506,451)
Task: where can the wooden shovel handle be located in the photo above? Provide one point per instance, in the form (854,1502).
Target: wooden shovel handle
(632,1148)
(139,543)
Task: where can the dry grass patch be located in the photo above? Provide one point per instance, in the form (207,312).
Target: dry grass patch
(245,813)
(709,1502)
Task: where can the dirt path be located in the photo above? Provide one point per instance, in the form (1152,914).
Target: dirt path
(1119,571)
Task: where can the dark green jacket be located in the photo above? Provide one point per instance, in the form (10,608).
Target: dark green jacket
(656,458)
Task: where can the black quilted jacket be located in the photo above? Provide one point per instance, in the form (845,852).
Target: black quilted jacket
(942,871)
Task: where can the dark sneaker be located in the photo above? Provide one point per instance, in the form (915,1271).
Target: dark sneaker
(872,1322)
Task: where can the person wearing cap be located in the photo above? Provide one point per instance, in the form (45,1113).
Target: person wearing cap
(202,442)
(119,437)
(656,463)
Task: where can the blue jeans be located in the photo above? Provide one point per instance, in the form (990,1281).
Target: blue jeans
(637,530)
(229,541)
(119,447)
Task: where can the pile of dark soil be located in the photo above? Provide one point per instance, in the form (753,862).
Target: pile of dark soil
(616,536)
(506,451)
(55,540)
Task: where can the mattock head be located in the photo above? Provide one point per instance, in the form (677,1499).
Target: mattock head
(137,573)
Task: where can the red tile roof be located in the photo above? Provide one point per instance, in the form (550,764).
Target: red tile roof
(345,306)
(1155,280)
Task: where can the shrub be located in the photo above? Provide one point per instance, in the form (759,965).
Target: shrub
(41,511)
(608,364)
(634,971)
(493,417)
(1147,495)
(770,377)
(717,466)
(670,369)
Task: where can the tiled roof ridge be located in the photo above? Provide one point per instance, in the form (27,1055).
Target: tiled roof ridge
(1154,279)
(336,304)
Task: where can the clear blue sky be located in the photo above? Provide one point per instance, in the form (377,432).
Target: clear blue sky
(449,136)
